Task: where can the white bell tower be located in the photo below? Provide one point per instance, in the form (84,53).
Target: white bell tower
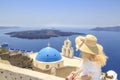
(67,49)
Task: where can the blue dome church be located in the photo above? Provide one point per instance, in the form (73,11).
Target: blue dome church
(48,54)
(48,59)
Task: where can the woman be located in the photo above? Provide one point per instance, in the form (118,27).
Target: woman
(93,58)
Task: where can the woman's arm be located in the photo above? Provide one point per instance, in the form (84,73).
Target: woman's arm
(85,77)
(77,71)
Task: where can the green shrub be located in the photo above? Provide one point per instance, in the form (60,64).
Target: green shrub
(3,50)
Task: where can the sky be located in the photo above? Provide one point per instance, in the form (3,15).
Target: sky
(79,13)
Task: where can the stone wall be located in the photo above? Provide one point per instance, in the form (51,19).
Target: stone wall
(9,72)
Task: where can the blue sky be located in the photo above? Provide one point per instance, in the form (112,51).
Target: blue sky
(77,13)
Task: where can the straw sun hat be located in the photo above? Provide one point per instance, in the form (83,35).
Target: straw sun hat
(88,44)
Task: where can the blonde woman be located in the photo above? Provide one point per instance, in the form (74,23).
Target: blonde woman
(93,58)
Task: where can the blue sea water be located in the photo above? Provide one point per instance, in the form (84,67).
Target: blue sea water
(109,40)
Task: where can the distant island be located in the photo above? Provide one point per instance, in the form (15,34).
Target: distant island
(41,34)
(8,27)
(116,28)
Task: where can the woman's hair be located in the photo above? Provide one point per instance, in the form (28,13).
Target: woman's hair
(99,59)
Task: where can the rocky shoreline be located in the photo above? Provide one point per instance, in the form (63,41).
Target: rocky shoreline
(15,58)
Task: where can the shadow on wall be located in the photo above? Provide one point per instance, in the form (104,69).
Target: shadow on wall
(61,72)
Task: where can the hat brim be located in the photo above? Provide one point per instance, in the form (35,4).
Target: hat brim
(91,49)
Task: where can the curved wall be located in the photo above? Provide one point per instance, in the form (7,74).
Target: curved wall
(8,72)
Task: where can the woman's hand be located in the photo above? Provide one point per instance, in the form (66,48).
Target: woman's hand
(74,73)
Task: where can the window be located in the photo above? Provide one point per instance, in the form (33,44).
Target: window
(65,50)
(58,65)
(47,66)
(68,51)
(66,43)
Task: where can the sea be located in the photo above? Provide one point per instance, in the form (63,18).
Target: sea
(110,40)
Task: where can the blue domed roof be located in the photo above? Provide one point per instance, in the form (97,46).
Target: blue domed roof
(48,54)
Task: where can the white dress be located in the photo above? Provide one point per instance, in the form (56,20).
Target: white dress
(89,68)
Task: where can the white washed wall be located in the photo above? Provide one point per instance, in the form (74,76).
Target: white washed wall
(8,72)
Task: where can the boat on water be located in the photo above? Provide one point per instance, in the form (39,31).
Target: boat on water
(4,45)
